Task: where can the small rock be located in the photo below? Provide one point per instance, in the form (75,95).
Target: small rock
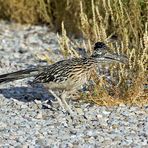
(39,115)
(79,111)
(99,116)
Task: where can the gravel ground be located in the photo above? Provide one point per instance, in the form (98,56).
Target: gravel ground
(26,122)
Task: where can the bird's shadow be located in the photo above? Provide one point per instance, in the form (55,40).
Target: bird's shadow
(26,94)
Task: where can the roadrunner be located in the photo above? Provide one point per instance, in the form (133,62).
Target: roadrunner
(69,75)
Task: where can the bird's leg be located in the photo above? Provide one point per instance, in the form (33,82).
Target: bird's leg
(58,99)
(63,97)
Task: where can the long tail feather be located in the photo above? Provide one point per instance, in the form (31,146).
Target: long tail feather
(18,75)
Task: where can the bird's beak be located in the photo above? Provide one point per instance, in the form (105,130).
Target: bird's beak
(108,57)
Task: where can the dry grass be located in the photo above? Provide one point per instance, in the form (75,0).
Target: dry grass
(133,42)
(95,20)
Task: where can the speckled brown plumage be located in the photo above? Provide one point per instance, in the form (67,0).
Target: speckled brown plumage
(67,75)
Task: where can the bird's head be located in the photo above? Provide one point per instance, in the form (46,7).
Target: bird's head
(102,53)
